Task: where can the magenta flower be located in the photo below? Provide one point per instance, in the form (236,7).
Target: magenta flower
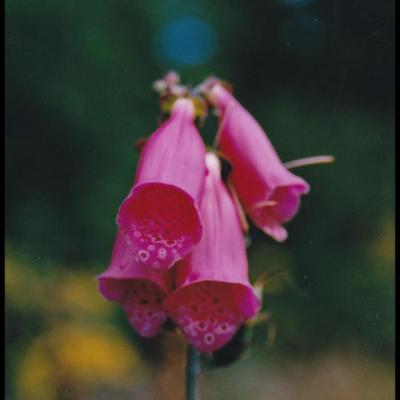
(269,193)
(160,218)
(138,290)
(213,296)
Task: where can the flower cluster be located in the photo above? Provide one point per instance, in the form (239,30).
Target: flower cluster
(179,251)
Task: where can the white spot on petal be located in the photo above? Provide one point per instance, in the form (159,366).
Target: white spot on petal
(144,255)
(162,253)
(201,326)
(209,338)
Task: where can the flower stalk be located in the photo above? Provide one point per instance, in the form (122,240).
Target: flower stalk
(192,372)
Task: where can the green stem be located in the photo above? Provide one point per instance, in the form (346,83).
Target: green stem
(192,371)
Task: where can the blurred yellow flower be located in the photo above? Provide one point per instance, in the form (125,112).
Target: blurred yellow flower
(78,359)
(77,295)
(23,288)
(74,293)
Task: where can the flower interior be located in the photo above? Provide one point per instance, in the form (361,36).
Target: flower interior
(207,313)
(161,222)
(143,305)
(141,299)
(269,217)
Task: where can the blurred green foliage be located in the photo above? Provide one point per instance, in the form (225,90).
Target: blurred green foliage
(317,76)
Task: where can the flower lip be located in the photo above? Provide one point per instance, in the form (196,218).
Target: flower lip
(141,300)
(161,223)
(210,312)
(282,206)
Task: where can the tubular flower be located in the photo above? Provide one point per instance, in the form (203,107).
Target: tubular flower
(213,295)
(138,290)
(159,217)
(270,194)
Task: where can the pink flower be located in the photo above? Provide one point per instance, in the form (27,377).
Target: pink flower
(213,296)
(138,290)
(270,194)
(160,218)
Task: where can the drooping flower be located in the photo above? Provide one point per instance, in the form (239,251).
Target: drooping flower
(269,193)
(213,295)
(139,291)
(160,217)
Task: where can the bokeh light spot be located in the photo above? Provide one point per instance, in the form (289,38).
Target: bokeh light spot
(186,41)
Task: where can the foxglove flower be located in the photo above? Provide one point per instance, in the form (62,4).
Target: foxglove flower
(138,290)
(160,218)
(213,295)
(269,193)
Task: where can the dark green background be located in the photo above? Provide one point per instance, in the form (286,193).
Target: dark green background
(319,77)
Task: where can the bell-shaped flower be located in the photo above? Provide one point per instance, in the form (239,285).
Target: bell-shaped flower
(213,296)
(160,218)
(269,193)
(139,291)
